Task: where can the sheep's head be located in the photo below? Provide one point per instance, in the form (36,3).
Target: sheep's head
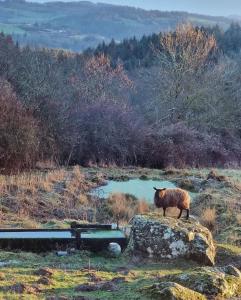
(159,192)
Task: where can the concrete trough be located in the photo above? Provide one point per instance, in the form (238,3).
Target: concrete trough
(42,240)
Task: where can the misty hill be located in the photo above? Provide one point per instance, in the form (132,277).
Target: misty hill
(79,25)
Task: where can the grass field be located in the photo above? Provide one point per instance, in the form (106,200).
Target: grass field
(21,276)
(10,29)
(45,200)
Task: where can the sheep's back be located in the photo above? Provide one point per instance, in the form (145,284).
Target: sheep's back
(176,198)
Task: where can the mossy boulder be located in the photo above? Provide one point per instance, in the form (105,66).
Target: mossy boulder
(119,178)
(214,176)
(172,291)
(210,281)
(191,184)
(144,177)
(158,237)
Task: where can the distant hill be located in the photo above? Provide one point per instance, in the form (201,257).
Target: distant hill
(235,17)
(79,25)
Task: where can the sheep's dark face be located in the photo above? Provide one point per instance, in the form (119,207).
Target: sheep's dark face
(158,197)
(159,190)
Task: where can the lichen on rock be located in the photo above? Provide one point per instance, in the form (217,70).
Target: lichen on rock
(159,237)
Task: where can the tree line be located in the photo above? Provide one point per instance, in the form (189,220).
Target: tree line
(135,53)
(182,109)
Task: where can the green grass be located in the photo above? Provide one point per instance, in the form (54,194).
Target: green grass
(71,271)
(11,28)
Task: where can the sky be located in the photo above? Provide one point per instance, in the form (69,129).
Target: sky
(208,7)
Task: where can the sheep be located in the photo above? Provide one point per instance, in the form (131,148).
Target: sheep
(172,198)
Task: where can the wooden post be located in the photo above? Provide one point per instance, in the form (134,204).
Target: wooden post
(78,238)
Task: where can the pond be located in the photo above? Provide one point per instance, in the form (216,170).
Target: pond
(141,189)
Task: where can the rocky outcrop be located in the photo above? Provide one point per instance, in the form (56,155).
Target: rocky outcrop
(158,237)
(198,284)
(191,184)
(212,282)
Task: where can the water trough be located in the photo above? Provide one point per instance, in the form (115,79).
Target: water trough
(94,237)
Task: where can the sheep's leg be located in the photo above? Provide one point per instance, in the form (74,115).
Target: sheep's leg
(164,211)
(187,217)
(180,214)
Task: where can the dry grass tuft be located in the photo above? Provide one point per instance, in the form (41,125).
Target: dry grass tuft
(142,207)
(120,207)
(238,218)
(123,207)
(208,218)
(30,183)
(46,165)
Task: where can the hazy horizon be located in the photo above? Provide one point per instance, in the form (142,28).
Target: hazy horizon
(207,7)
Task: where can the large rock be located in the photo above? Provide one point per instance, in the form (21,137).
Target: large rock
(158,237)
(209,281)
(172,291)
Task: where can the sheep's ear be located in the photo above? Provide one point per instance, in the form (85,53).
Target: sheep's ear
(163,189)
(155,189)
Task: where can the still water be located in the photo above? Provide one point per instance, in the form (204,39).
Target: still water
(141,189)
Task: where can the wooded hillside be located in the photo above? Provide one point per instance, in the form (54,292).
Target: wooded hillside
(182,109)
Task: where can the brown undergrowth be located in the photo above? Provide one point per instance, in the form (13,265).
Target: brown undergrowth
(32,198)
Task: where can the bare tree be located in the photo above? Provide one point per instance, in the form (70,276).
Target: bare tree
(185,55)
(18,132)
(98,81)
